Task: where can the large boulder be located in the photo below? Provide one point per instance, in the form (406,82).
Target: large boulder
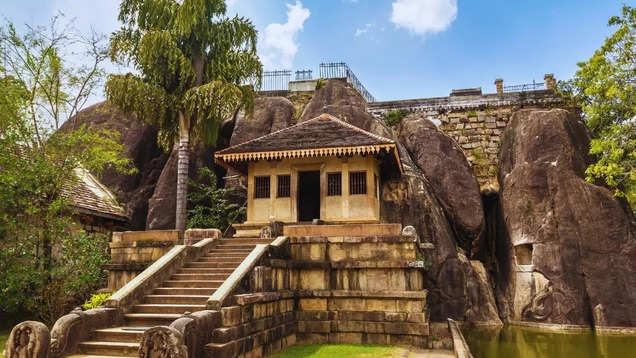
(140,144)
(456,289)
(569,250)
(342,101)
(450,175)
(271,114)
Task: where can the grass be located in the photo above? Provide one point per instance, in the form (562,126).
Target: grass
(4,335)
(338,351)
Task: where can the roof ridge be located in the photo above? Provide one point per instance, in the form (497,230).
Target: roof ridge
(356,128)
(322,116)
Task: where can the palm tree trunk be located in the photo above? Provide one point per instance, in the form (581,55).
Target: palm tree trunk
(182,172)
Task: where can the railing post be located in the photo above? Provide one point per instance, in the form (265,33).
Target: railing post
(500,86)
(550,82)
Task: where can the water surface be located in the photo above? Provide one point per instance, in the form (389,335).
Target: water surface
(521,342)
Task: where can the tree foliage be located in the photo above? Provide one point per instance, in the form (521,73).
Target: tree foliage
(46,263)
(605,88)
(191,59)
(193,63)
(210,205)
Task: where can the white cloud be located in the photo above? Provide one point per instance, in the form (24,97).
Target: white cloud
(363,30)
(424,16)
(278,46)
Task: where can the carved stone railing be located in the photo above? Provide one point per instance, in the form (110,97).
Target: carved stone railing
(241,273)
(161,270)
(32,339)
(459,343)
(29,339)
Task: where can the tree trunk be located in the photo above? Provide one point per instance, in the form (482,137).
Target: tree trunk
(182,172)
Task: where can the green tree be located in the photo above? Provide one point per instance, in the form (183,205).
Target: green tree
(210,206)
(192,63)
(605,89)
(46,264)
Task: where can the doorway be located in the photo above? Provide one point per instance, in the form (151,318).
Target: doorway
(308,196)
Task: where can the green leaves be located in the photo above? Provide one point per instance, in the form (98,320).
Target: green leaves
(210,206)
(191,59)
(605,88)
(616,165)
(211,104)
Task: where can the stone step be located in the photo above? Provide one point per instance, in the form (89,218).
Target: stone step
(229,251)
(200,276)
(246,240)
(221,258)
(117,349)
(177,299)
(204,264)
(247,233)
(96,356)
(211,270)
(188,291)
(234,246)
(150,319)
(118,334)
(334,230)
(193,284)
(236,255)
(167,308)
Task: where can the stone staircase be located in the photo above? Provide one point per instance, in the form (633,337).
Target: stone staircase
(187,291)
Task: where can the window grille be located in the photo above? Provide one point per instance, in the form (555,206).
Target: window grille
(358,183)
(283,186)
(334,184)
(261,187)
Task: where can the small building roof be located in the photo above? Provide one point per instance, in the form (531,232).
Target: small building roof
(325,135)
(93,198)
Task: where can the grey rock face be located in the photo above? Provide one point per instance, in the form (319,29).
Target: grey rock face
(569,249)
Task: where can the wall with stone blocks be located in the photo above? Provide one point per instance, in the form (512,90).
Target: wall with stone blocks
(132,252)
(354,290)
(475,122)
(256,325)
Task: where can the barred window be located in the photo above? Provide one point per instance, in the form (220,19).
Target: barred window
(358,183)
(261,187)
(283,186)
(334,184)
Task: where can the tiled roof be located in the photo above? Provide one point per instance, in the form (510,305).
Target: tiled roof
(322,136)
(92,197)
(324,131)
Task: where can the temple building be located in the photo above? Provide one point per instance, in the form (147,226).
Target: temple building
(322,168)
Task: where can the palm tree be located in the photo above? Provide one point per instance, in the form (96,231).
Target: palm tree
(192,64)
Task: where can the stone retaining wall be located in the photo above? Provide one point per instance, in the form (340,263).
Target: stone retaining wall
(132,252)
(475,122)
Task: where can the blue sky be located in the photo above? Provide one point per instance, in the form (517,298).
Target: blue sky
(400,48)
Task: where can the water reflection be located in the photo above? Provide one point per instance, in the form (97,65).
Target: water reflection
(521,342)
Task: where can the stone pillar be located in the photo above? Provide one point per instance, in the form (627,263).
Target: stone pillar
(550,82)
(499,84)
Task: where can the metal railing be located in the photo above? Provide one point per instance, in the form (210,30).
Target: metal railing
(342,70)
(534,86)
(276,80)
(304,75)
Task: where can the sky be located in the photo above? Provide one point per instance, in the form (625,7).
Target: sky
(399,49)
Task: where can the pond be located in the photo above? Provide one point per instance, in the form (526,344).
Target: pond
(521,342)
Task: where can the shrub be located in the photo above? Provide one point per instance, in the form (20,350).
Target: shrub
(96,300)
(395,116)
(210,206)
(320,83)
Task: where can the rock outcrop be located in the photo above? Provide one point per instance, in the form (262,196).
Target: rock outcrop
(450,175)
(271,114)
(162,205)
(140,144)
(569,252)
